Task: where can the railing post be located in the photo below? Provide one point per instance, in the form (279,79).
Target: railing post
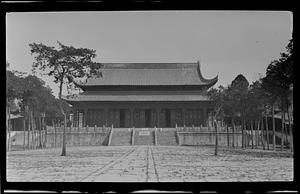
(132,135)
(94,134)
(110,134)
(177,137)
(155,136)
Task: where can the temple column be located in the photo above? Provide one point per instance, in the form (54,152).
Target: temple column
(84,117)
(105,116)
(205,116)
(131,116)
(183,116)
(157,116)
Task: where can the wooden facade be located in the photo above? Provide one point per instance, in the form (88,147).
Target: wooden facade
(144,95)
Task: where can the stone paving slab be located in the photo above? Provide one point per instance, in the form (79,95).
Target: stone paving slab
(148,164)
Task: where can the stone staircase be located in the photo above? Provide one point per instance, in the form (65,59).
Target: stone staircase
(142,139)
(121,137)
(167,137)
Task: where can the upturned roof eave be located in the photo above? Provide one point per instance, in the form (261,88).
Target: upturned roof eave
(209,82)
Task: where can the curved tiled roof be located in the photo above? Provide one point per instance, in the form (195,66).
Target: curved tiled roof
(132,97)
(149,74)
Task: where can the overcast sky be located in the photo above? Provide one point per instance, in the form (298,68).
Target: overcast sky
(227,43)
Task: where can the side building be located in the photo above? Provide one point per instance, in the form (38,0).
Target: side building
(144,95)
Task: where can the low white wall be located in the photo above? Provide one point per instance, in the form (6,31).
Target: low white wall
(208,138)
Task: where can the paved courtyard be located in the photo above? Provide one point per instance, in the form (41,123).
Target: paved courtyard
(148,164)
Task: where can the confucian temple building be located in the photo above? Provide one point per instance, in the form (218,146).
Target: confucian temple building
(144,95)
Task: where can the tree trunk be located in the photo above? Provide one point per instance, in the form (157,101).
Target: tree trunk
(242,130)
(284,129)
(262,133)
(63,153)
(233,130)
(290,130)
(273,126)
(257,134)
(252,138)
(53,123)
(227,135)
(243,133)
(24,132)
(6,119)
(282,126)
(216,131)
(249,133)
(28,135)
(8,130)
(41,131)
(208,127)
(45,132)
(60,88)
(32,131)
(267,131)
(36,134)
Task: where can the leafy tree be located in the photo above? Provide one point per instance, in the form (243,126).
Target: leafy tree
(34,97)
(229,109)
(271,94)
(64,64)
(14,90)
(237,95)
(279,78)
(255,106)
(14,86)
(38,96)
(217,95)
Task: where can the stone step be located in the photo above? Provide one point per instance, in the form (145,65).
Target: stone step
(120,138)
(144,139)
(166,138)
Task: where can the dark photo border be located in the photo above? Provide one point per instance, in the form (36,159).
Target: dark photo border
(65,6)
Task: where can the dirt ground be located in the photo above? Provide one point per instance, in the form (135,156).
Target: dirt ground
(149,164)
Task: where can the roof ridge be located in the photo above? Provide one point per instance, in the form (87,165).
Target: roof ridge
(149,62)
(148,65)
